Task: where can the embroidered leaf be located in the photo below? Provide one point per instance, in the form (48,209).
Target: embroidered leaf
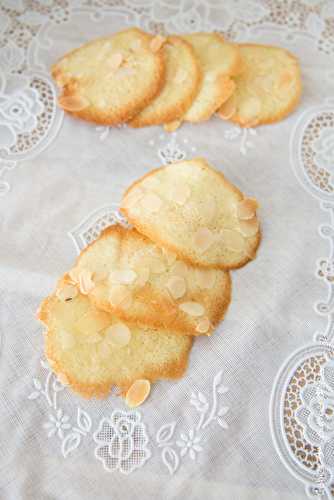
(70,443)
(218,378)
(223,411)
(83,420)
(33,395)
(249,11)
(202,398)
(44,364)
(222,423)
(165,433)
(37,384)
(222,389)
(315,24)
(192,454)
(171,459)
(57,385)
(329,453)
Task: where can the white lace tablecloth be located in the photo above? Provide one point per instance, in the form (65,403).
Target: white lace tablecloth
(254,416)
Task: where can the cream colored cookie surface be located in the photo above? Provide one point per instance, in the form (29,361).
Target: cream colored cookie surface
(109,80)
(193,210)
(219,61)
(183,76)
(125,273)
(92,351)
(268,87)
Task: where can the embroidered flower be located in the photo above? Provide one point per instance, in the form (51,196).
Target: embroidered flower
(316,414)
(19,108)
(189,444)
(232,133)
(122,442)
(326,270)
(171,153)
(324,149)
(57,424)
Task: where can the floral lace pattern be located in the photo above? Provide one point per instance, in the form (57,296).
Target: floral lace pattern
(122,442)
(303,397)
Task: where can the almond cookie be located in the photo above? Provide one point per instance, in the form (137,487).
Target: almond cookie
(92,351)
(219,61)
(268,87)
(125,273)
(183,76)
(193,210)
(109,80)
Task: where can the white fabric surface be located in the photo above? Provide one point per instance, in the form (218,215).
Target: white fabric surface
(59,176)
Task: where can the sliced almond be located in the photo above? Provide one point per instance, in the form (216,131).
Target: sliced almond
(74,274)
(181,76)
(180,269)
(205,278)
(123,276)
(157,42)
(136,45)
(73,102)
(143,276)
(203,326)
(115,61)
(99,276)
(66,339)
(63,379)
(208,209)
(249,227)
(232,239)
(118,335)
(67,293)
(192,308)
(137,393)
(151,202)
(120,296)
(203,239)
(177,286)
(180,193)
(172,126)
(246,208)
(170,256)
(86,284)
(156,265)
(228,109)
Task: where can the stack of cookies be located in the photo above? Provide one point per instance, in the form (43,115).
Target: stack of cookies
(139,79)
(127,312)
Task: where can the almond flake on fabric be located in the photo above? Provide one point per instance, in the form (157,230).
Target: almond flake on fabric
(123,276)
(203,326)
(138,393)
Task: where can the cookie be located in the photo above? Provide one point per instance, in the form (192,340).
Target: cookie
(110,80)
(183,76)
(193,210)
(92,351)
(125,273)
(219,61)
(268,87)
